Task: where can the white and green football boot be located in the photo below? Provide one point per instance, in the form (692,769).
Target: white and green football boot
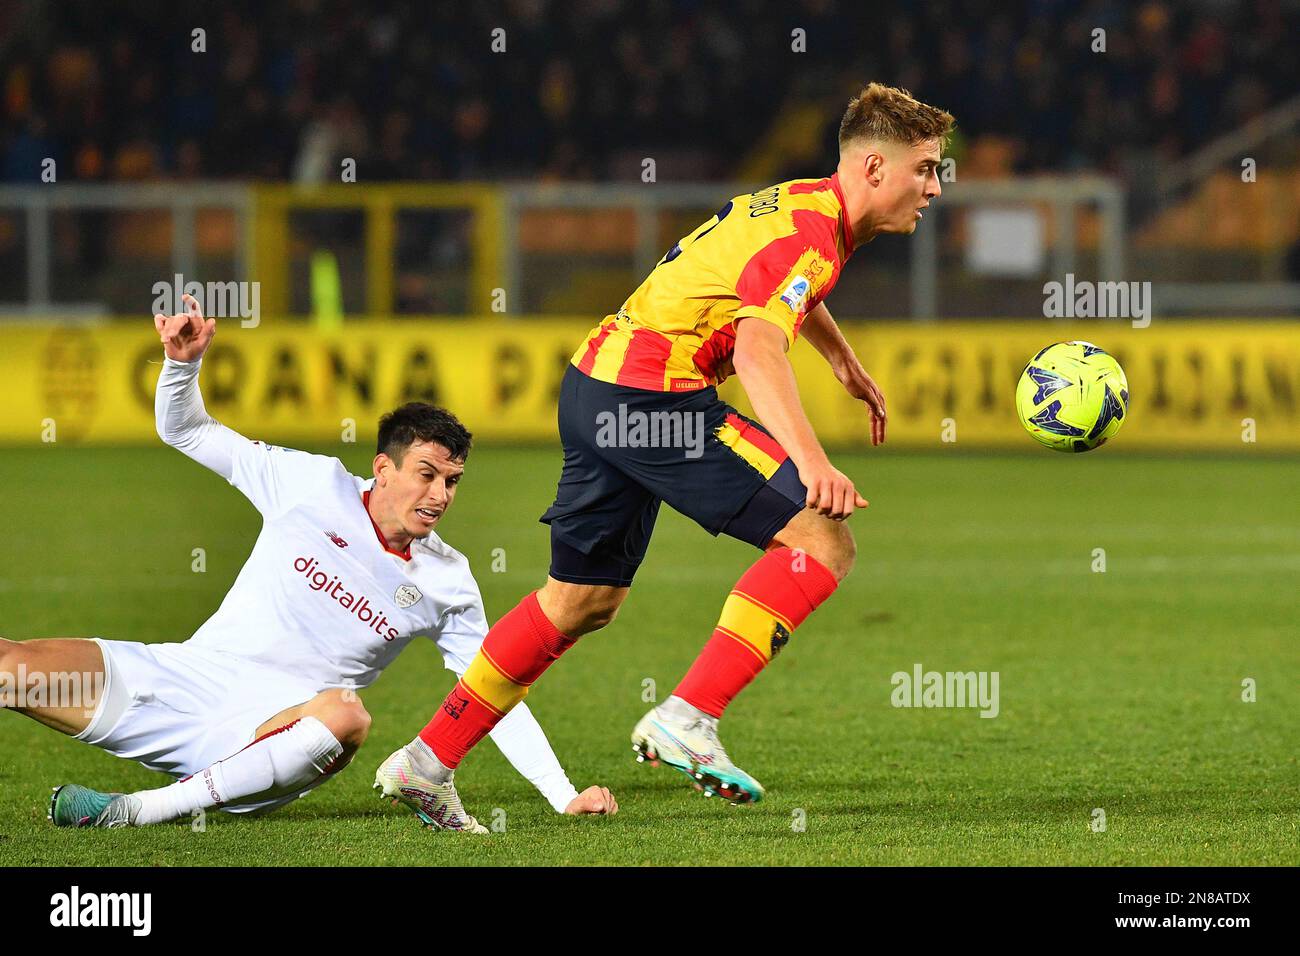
(74,806)
(686,739)
(414,776)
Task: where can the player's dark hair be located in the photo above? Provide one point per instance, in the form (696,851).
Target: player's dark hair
(882,112)
(419,421)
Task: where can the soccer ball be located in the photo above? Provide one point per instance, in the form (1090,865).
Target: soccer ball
(1072,396)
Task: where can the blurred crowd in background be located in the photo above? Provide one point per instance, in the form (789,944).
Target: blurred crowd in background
(537,91)
(414,91)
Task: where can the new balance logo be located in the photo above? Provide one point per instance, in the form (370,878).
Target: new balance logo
(336,539)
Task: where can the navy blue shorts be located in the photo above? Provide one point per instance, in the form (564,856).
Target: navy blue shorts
(628,449)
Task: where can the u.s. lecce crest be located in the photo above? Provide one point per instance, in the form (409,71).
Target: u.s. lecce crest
(406,595)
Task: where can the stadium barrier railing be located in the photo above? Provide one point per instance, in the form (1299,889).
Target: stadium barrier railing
(527,248)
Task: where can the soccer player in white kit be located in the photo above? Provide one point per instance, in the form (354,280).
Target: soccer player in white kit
(260,705)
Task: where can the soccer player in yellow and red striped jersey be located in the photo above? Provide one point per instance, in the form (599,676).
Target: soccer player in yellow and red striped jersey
(772,255)
(642,424)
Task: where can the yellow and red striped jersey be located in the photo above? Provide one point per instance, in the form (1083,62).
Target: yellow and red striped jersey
(772,255)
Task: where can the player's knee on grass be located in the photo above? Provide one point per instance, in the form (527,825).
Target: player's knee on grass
(342,713)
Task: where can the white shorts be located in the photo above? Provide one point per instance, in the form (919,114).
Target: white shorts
(178,708)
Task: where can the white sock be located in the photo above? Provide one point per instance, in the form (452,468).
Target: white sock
(427,762)
(677,708)
(281,763)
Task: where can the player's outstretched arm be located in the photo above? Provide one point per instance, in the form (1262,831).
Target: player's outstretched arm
(825,336)
(764,370)
(179,415)
(521,740)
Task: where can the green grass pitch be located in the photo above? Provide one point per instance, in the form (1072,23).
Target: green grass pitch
(1119,690)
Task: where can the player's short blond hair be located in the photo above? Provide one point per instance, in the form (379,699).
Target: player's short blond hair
(886,113)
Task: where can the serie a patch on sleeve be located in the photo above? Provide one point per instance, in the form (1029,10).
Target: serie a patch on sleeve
(795,294)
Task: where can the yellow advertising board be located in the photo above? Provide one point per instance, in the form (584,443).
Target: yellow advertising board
(1193,385)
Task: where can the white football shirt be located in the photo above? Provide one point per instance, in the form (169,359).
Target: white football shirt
(322,596)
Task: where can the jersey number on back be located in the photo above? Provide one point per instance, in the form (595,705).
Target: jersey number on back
(707,227)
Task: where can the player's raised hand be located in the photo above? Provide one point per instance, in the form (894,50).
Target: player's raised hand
(593,801)
(830,491)
(185,336)
(862,386)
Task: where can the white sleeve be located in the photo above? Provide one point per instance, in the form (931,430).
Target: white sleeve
(521,739)
(272,478)
(517,735)
(185,424)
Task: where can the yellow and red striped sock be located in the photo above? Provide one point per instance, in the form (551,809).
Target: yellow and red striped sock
(769,601)
(515,652)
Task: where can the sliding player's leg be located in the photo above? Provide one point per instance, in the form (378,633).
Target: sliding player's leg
(295,751)
(292,753)
(805,557)
(203,717)
(58,682)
